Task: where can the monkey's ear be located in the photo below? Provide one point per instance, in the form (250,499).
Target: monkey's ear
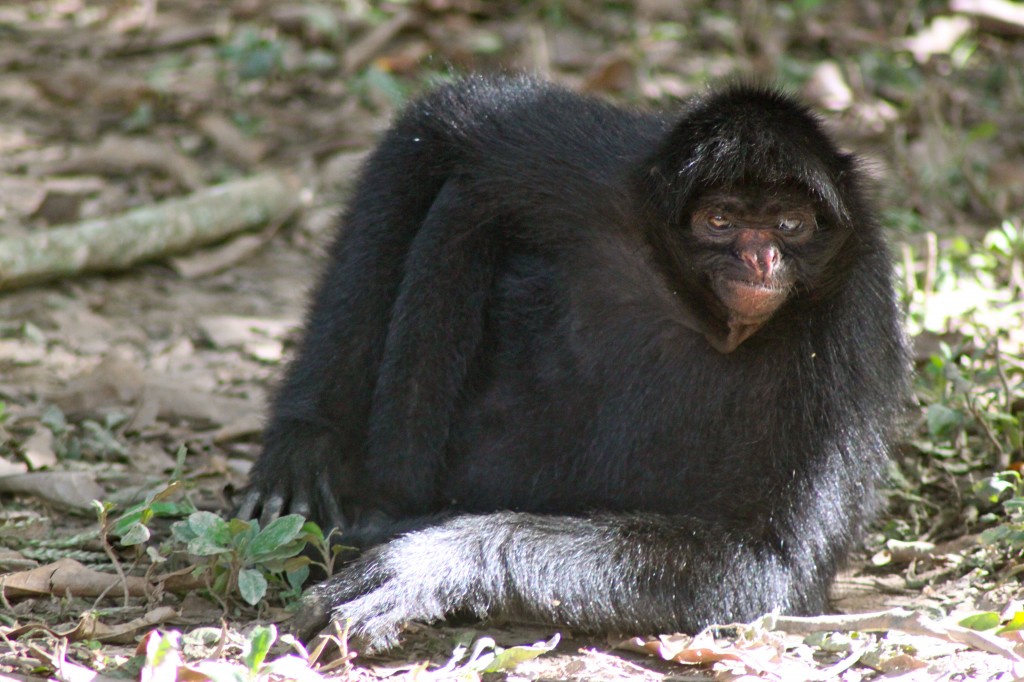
(674,173)
(851,176)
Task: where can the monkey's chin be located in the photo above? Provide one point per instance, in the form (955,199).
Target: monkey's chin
(749,306)
(749,303)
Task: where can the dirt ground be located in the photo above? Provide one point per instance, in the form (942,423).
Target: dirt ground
(109,106)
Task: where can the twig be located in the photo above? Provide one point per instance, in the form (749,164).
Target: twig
(1003,379)
(108,549)
(910,622)
(366,48)
(931,264)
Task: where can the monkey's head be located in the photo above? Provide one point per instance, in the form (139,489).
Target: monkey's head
(755,202)
(749,250)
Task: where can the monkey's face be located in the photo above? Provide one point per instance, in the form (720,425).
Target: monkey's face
(751,243)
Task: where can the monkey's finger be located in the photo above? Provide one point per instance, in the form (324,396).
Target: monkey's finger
(300,503)
(248,504)
(332,512)
(272,508)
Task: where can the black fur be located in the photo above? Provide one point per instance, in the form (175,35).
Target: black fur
(506,382)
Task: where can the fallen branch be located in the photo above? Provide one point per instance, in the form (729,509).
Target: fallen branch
(902,620)
(167,228)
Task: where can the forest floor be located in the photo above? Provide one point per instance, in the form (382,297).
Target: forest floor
(110,106)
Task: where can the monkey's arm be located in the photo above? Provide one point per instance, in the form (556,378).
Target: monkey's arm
(433,337)
(315,442)
(626,573)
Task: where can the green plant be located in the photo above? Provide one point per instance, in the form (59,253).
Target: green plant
(973,406)
(164,660)
(1004,488)
(239,557)
(132,526)
(254,53)
(89,439)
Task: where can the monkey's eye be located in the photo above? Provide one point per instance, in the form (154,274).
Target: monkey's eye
(790,224)
(718,221)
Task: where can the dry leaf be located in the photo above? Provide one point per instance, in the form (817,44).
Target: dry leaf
(64,489)
(39,450)
(69,576)
(90,627)
(240,149)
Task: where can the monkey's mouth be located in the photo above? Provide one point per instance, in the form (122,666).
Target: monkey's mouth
(752,302)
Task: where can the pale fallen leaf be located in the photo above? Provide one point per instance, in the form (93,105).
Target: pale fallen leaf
(69,576)
(21,352)
(89,627)
(217,258)
(245,151)
(117,154)
(8,468)
(64,489)
(114,382)
(247,425)
(117,382)
(938,37)
(998,16)
(63,669)
(615,72)
(227,331)
(38,449)
(22,196)
(827,87)
(258,337)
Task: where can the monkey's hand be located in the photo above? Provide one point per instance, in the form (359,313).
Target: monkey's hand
(421,576)
(301,471)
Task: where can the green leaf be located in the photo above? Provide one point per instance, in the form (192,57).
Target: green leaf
(54,420)
(205,523)
(132,517)
(251,585)
(182,531)
(135,535)
(982,131)
(161,651)
(211,533)
(311,529)
(297,576)
(513,656)
(942,420)
(986,620)
(202,546)
(182,508)
(991,488)
(179,465)
(220,580)
(991,536)
(260,641)
(238,526)
(281,555)
(279,532)
(1015,623)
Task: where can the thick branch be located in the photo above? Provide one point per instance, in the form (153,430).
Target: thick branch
(148,232)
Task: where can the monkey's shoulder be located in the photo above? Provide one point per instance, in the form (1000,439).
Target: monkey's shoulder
(513,115)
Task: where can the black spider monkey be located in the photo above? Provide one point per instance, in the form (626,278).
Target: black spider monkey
(605,369)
